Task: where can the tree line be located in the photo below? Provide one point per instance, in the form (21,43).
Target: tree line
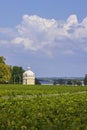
(10,74)
(14,74)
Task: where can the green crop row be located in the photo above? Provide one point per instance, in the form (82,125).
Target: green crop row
(62,112)
(38,89)
(42,107)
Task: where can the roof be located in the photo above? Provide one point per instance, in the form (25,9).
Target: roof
(28,72)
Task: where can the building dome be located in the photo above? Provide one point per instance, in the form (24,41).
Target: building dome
(28,77)
(28,73)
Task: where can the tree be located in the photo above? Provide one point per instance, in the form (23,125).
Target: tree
(85,80)
(5,73)
(37,81)
(61,81)
(69,82)
(2,59)
(17,74)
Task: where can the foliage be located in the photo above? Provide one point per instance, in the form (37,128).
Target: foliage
(19,89)
(2,59)
(85,80)
(14,74)
(5,73)
(37,81)
(17,72)
(60,112)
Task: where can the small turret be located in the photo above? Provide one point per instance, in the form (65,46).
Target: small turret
(28,77)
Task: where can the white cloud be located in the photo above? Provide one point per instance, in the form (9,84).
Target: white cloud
(36,33)
(17,40)
(71,21)
(39,32)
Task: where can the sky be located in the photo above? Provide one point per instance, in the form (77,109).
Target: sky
(50,36)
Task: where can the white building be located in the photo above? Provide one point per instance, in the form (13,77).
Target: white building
(28,77)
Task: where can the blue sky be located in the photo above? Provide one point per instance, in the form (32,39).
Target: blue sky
(50,36)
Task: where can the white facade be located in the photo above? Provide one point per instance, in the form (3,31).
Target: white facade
(28,77)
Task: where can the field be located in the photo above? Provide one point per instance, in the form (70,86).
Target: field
(42,107)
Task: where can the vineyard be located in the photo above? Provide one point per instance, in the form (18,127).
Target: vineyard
(42,107)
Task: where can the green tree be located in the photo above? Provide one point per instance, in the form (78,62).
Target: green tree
(69,82)
(37,81)
(2,59)
(85,80)
(17,74)
(5,73)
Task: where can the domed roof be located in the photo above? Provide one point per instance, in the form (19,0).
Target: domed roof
(28,73)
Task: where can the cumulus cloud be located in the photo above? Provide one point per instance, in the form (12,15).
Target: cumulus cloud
(36,33)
